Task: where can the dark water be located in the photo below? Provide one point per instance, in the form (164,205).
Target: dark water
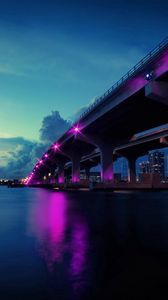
(83,245)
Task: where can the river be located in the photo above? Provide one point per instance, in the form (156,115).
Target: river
(83,245)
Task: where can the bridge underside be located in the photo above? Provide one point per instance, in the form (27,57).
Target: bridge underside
(110,128)
(134,115)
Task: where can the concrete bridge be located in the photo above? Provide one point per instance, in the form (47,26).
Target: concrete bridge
(137,102)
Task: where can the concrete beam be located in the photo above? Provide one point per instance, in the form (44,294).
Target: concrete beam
(158,91)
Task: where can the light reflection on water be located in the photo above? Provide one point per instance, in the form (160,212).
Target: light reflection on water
(47,222)
(79,245)
(59,233)
(78,248)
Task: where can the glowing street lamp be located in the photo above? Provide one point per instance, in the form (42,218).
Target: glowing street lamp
(76,129)
(56,146)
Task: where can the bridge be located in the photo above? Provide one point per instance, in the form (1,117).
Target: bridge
(110,127)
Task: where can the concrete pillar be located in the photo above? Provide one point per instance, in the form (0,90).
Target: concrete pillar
(106,149)
(87,172)
(61,172)
(131,169)
(107,173)
(75,168)
(75,156)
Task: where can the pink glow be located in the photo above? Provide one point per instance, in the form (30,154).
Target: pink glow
(75,178)
(47,222)
(79,249)
(107,174)
(56,146)
(60,179)
(46,155)
(75,130)
(40,161)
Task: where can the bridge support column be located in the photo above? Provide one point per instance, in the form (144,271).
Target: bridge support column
(75,168)
(106,151)
(131,169)
(107,173)
(87,172)
(74,156)
(61,172)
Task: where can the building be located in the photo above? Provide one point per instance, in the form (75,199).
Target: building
(156,162)
(144,167)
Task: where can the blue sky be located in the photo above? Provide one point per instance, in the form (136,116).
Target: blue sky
(60,55)
(57,55)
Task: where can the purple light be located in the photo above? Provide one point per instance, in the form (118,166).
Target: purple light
(79,249)
(60,179)
(75,178)
(40,161)
(56,146)
(75,130)
(46,155)
(49,219)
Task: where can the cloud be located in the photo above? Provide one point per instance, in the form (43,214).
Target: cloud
(53,126)
(19,162)
(15,156)
(18,155)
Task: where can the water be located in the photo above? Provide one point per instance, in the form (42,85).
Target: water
(83,245)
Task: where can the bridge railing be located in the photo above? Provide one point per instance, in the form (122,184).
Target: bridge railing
(156,51)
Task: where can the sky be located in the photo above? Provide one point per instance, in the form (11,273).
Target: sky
(60,55)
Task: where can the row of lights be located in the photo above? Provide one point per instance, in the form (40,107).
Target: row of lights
(75,130)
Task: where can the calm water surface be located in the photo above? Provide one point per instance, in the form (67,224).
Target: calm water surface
(83,245)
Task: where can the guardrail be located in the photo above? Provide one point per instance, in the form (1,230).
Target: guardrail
(156,51)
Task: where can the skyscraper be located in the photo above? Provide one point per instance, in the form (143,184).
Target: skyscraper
(156,162)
